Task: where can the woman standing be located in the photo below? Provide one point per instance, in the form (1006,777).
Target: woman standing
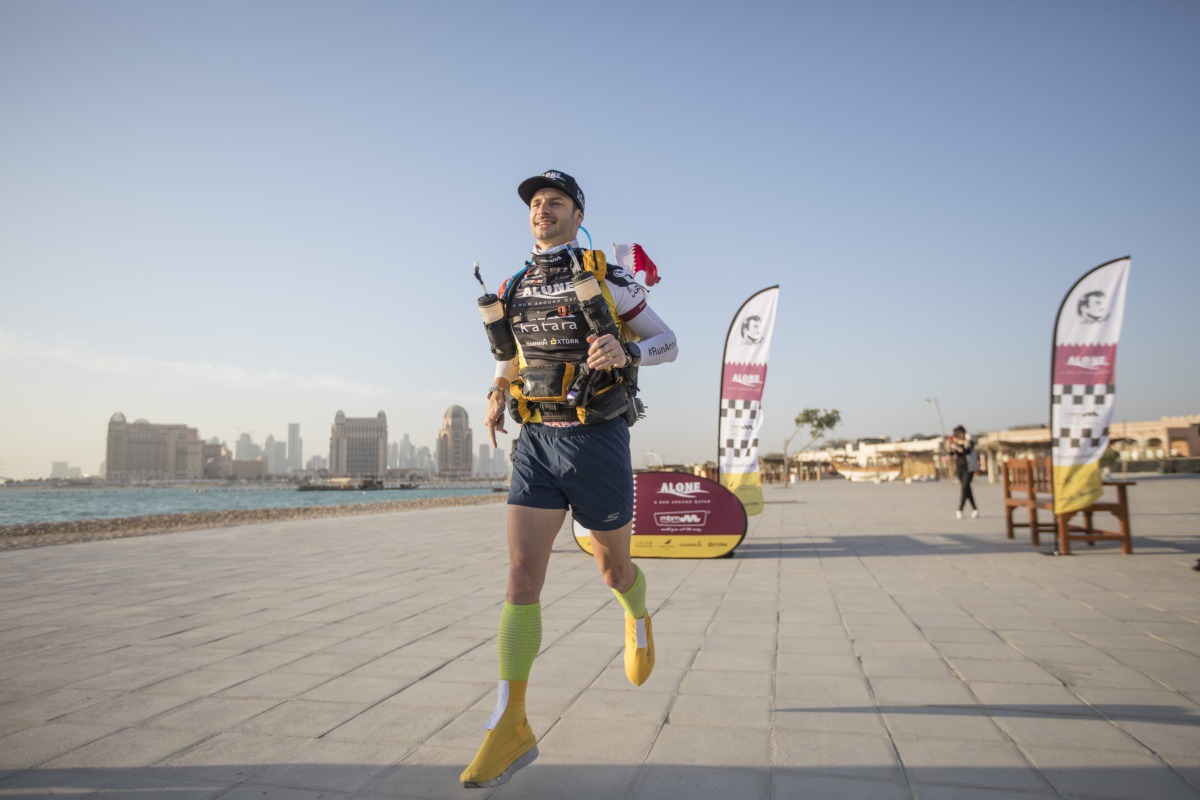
(966,462)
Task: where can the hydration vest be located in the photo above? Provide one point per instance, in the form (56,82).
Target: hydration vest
(567,390)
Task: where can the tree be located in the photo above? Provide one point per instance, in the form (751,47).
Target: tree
(817,422)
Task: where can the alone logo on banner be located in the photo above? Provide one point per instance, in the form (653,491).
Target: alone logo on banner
(676,515)
(1083,382)
(743,377)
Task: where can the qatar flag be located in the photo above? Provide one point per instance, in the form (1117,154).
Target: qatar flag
(633,259)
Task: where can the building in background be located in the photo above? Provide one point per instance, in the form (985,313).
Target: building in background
(218,460)
(250,469)
(454,445)
(491,463)
(295,448)
(423,459)
(277,456)
(500,463)
(358,446)
(143,451)
(483,461)
(245,449)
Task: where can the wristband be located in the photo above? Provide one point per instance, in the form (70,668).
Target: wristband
(494,388)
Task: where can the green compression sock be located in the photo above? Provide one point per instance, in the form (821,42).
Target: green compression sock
(634,600)
(520,638)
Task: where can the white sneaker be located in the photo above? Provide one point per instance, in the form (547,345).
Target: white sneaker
(958,514)
(975,513)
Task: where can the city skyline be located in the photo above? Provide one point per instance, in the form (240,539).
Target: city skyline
(246,447)
(235,216)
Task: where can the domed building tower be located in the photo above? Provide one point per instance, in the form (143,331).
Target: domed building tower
(454,445)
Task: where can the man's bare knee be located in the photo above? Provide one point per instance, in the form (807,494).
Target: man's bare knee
(524,585)
(619,576)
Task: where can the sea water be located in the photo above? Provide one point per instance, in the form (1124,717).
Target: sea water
(24,506)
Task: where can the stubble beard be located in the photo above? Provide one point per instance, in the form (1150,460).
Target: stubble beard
(555,233)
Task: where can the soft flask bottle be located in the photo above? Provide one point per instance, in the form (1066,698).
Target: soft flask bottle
(499,332)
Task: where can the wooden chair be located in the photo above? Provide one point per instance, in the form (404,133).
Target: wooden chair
(1087,532)
(1029,483)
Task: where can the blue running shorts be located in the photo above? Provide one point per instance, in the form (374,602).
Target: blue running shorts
(586,468)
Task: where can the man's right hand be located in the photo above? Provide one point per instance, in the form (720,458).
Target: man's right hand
(493,420)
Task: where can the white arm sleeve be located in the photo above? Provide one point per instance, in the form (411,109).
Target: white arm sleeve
(657,343)
(507,370)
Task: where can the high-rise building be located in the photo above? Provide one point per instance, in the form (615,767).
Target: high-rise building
(358,446)
(483,461)
(59,469)
(245,449)
(277,455)
(295,448)
(142,451)
(408,453)
(454,445)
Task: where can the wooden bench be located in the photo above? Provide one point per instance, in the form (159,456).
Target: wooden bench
(1029,484)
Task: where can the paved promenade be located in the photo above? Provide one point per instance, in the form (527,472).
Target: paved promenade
(862,643)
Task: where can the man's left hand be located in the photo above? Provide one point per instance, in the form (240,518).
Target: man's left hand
(606,352)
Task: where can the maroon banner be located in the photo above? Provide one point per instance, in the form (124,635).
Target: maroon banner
(676,515)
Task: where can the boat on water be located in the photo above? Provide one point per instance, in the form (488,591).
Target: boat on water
(872,474)
(347,485)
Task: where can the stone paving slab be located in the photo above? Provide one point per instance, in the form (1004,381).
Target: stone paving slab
(861,643)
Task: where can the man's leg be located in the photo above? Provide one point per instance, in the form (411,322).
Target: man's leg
(628,583)
(510,743)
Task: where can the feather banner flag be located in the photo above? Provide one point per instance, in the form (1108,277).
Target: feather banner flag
(1083,385)
(633,258)
(742,380)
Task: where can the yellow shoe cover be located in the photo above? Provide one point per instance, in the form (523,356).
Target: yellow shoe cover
(639,649)
(507,747)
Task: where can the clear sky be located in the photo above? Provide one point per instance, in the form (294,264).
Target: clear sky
(237,215)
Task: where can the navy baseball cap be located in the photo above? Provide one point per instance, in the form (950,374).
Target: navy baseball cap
(552,179)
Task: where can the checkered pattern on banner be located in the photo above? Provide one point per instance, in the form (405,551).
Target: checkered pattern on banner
(1084,439)
(738,415)
(1079,394)
(1080,417)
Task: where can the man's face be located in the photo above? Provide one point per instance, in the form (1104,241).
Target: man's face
(553,217)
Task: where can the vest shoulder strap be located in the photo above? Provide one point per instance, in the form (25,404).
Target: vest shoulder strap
(595,263)
(509,286)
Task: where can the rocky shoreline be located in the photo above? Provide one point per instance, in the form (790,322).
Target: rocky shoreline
(41,534)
